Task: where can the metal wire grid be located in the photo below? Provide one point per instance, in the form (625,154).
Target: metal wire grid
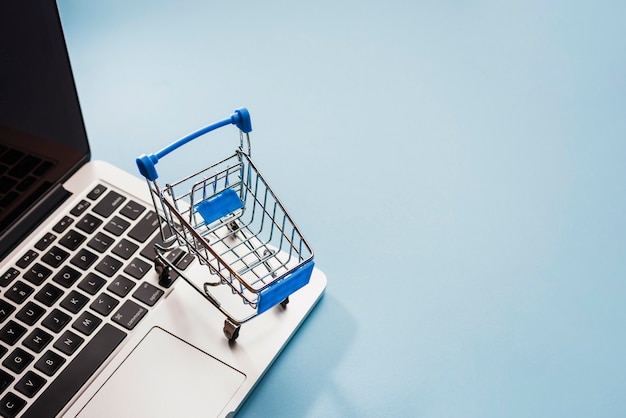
(251,248)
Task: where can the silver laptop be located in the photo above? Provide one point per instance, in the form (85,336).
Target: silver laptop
(88,328)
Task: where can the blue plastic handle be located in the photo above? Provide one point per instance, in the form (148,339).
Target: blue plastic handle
(146,163)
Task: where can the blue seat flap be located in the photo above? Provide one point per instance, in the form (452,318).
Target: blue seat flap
(219,205)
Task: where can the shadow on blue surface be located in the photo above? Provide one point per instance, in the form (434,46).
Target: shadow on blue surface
(303,373)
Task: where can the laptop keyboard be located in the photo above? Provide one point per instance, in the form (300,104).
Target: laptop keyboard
(70,300)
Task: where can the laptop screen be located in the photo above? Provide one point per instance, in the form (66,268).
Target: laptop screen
(42,136)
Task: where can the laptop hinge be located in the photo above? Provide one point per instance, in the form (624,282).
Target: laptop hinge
(34,217)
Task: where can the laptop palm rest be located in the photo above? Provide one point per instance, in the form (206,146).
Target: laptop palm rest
(185,381)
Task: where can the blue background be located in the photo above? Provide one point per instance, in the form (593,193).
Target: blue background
(458,167)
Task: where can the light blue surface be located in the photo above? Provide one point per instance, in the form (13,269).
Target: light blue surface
(458,168)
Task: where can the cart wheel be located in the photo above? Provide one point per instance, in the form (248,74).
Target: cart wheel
(231,330)
(233,226)
(284,303)
(163,271)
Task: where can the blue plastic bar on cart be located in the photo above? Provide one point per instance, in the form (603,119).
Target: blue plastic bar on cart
(146,163)
(281,289)
(218,206)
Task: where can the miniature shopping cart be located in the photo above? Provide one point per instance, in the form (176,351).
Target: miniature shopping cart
(228,217)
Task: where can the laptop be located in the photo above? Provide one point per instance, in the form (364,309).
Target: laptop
(87,326)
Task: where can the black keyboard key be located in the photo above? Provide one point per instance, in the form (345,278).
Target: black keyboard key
(120,286)
(101,242)
(91,283)
(27,259)
(104,304)
(132,210)
(80,208)
(8,276)
(180,258)
(43,168)
(68,342)
(45,241)
(74,301)
(6,184)
(30,313)
(6,309)
(55,256)
(18,360)
(5,380)
(125,249)
(11,405)
(109,204)
(148,294)
(89,223)
(49,363)
(56,321)
(18,292)
(8,198)
(97,192)
(185,261)
(83,259)
(11,157)
(174,255)
(48,294)
(37,274)
(148,250)
(72,240)
(25,166)
(67,276)
(86,323)
(117,226)
(11,332)
(25,183)
(37,340)
(30,384)
(129,314)
(137,268)
(109,266)
(54,398)
(146,226)
(63,224)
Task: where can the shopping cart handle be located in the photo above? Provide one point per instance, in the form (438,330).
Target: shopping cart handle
(146,163)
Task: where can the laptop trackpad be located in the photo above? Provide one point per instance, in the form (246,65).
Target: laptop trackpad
(186,382)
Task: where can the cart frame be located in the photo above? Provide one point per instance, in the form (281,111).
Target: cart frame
(229,218)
